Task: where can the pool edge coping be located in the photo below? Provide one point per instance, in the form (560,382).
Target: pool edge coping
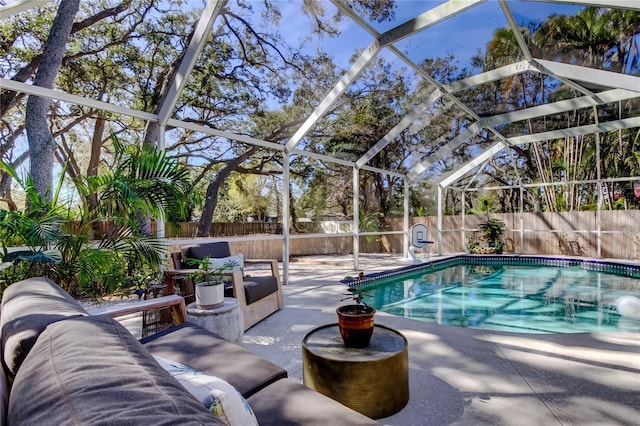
(609,266)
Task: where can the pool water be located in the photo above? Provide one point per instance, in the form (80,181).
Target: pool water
(516,298)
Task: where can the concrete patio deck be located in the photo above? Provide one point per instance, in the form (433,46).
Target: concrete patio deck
(462,376)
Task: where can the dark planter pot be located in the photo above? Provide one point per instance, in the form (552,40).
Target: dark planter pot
(356,325)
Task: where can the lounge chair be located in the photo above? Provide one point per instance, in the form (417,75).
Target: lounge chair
(258,296)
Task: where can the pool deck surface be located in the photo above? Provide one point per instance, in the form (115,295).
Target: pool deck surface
(461,376)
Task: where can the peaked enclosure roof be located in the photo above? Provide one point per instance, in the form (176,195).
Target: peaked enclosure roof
(403,41)
(411,43)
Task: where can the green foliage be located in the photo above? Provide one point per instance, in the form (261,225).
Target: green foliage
(491,241)
(369,223)
(421,211)
(210,276)
(96,249)
(493,230)
(357,294)
(250,198)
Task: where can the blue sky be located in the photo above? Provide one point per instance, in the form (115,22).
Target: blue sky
(461,35)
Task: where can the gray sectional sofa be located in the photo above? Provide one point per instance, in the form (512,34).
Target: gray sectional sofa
(65,366)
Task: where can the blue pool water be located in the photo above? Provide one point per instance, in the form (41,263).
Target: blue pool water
(491,295)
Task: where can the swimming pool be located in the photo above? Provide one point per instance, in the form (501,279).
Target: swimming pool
(510,293)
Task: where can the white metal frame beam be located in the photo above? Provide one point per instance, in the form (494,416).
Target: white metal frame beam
(117,109)
(427,19)
(609,96)
(590,75)
(196,44)
(227,135)
(464,169)
(18,6)
(626,123)
(400,127)
(334,94)
(467,133)
(558,70)
(74,99)
(515,29)
(489,76)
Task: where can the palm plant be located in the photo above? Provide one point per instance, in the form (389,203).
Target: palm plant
(96,249)
(35,230)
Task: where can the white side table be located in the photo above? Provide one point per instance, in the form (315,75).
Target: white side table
(225,321)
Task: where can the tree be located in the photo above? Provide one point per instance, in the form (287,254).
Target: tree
(41,143)
(588,38)
(594,37)
(140,42)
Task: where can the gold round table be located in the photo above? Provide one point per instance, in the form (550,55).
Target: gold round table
(373,381)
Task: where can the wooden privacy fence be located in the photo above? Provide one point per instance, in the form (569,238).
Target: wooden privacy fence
(224,229)
(567,233)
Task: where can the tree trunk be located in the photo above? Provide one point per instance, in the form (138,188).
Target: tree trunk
(211,198)
(41,142)
(162,90)
(9,98)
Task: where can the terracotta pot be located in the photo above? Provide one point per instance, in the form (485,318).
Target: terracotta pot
(356,325)
(209,296)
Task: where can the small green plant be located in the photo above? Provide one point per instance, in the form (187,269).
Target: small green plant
(421,211)
(208,275)
(355,292)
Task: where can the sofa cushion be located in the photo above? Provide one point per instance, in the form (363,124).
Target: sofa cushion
(255,288)
(204,351)
(91,370)
(216,249)
(28,307)
(286,402)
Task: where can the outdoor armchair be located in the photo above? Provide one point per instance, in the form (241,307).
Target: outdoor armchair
(258,296)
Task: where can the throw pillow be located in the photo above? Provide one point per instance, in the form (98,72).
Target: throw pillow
(215,393)
(236,260)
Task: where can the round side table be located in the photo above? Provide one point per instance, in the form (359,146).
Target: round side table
(373,381)
(225,321)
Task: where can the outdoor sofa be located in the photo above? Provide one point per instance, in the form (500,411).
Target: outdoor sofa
(64,365)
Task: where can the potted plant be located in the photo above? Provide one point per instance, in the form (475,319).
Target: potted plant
(209,283)
(493,231)
(490,241)
(355,320)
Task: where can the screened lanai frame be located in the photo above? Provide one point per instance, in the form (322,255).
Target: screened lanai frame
(610,87)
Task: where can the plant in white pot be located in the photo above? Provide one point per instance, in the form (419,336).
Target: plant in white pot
(209,282)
